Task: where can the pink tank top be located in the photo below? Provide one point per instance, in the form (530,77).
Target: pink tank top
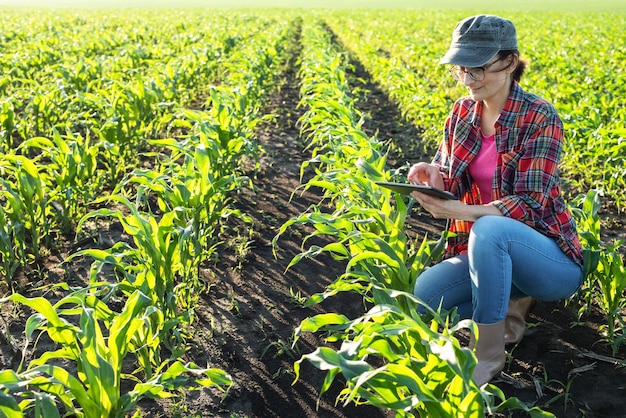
(483,167)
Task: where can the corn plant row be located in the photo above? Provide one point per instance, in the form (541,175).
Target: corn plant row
(405,68)
(423,371)
(104,125)
(157,276)
(191,185)
(77,85)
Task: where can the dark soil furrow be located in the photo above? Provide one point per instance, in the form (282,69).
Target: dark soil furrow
(250,313)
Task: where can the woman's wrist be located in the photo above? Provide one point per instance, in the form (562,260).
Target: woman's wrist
(473,212)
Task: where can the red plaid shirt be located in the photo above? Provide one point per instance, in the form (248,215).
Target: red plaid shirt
(526,185)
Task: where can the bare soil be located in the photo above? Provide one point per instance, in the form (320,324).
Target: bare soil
(245,321)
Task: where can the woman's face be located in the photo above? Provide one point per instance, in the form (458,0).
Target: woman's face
(496,82)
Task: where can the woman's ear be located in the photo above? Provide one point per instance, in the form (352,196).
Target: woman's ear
(512,62)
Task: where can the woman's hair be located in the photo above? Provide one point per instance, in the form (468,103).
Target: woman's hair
(521,64)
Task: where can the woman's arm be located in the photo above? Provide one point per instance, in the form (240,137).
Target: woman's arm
(454,209)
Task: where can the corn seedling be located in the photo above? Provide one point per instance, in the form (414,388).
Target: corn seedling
(605,274)
(27,209)
(70,164)
(78,323)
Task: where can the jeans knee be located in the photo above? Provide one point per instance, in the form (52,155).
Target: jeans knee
(489,223)
(487,227)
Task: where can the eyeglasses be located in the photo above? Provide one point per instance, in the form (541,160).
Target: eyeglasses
(476,73)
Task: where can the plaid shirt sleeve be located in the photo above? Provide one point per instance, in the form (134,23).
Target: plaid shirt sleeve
(530,170)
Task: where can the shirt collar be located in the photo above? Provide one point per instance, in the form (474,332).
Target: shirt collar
(512,106)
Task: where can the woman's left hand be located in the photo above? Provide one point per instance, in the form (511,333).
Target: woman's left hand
(438,207)
(454,209)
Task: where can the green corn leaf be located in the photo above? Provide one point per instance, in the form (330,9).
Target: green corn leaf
(124,326)
(100,374)
(9,380)
(60,377)
(45,405)
(9,406)
(59,330)
(326,320)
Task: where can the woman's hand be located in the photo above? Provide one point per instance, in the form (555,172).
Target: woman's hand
(440,208)
(454,209)
(426,174)
(429,175)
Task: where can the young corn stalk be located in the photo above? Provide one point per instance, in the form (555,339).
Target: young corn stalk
(152,265)
(26,208)
(9,256)
(7,123)
(604,270)
(70,164)
(95,341)
(195,199)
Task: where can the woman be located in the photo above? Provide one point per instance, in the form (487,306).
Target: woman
(514,238)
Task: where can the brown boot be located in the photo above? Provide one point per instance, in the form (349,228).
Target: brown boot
(489,351)
(516,319)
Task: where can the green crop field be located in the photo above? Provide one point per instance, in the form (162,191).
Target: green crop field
(147,118)
(616,6)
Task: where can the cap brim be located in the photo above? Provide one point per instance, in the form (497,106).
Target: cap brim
(468,57)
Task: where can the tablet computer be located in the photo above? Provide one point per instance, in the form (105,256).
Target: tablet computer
(406,188)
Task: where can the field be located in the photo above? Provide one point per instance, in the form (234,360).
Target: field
(482,6)
(190,226)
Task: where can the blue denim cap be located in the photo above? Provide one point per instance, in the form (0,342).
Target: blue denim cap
(478,39)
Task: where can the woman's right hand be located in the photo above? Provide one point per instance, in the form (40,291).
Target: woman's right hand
(426,174)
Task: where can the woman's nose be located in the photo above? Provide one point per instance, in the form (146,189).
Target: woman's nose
(467,79)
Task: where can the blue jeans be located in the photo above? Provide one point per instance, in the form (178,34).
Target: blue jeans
(506,259)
